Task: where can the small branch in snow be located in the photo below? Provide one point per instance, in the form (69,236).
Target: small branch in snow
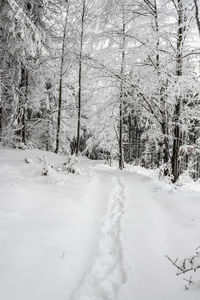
(189,282)
(191,263)
(174,263)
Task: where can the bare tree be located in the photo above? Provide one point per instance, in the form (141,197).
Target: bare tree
(179,73)
(122,91)
(61,79)
(83,13)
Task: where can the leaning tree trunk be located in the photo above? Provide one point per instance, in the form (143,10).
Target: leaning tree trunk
(179,73)
(61,83)
(197,15)
(80,79)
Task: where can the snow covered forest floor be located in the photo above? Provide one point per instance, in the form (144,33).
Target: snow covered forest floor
(99,235)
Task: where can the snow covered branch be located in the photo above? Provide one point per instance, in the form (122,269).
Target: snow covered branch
(191,263)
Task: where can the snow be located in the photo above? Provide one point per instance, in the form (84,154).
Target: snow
(48,226)
(107,274)
(99,235)
(158,222)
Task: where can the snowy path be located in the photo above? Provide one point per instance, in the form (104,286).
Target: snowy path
(107,273)
(102,235)
(156,222)
(48,226)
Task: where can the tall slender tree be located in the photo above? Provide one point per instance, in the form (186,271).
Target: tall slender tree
(61,79)
(179,73)
(83,15)
(122,90)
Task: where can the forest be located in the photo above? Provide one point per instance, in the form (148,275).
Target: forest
(99,149)
(106,79)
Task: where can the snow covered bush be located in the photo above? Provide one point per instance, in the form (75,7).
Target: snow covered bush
(71,165)
(47,167)
(20,145)
(28,160)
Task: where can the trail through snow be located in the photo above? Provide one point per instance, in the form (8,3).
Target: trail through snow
(107,273)
(101,235)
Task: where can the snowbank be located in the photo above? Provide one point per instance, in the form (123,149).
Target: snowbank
(48,225)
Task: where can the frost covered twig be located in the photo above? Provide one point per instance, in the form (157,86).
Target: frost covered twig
(189,282)
(191,263)
(174,263)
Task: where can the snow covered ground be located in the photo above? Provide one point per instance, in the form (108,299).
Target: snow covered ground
(101,235)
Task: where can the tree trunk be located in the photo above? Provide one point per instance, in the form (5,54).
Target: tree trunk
(197,14)
(1,129)
(198,27)
(164,129)
(121,106)
(80,79)
(23,88)
(129,138)
(179,73)
(61,83)
(1,108)
(157,37)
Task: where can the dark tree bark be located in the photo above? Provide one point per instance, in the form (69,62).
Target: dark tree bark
(23,96)
(61,82)
(197,14)
(80,78)
(129,138)
(121,106)
(179,73)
